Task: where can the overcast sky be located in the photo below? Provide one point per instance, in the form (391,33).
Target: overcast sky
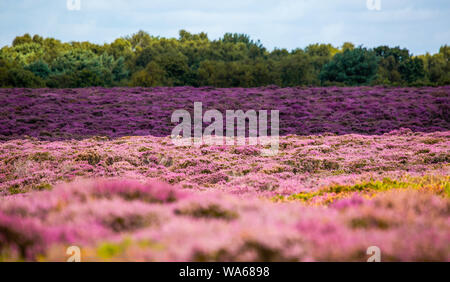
(420,25)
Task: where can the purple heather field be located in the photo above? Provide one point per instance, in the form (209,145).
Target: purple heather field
(95,168)
(50,114)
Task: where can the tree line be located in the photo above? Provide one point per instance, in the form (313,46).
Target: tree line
(235,60)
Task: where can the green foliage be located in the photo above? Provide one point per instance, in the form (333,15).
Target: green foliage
(394,66)
(39,68)
(437,66)
(109,250)
(425,183)
(235,60)
(412,70)
(319,55)
(20,40)
(119,70)
(18,77)
(4,77)
(352,67)
(348,46)
(213,73)
(83,68)
(152,75)
(295,69)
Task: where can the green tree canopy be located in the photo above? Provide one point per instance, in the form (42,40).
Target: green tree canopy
(235,59)
(352,67)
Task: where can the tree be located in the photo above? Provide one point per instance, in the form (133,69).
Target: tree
(186,36)
(442,65)
(235,60)
(352,67)
(347,46)
(145,57)
(120,48)
(213,73)
(4,77)
(389,61)
(319,55)
(23,78)
(119,70)
(398,54)
(139,40)
(262,73)
(39,68)
(412,70)
(99,70)
(19,40)
(295,69)
(152,75)
(174,63)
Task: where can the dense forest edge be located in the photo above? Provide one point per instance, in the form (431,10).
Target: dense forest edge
(235,60)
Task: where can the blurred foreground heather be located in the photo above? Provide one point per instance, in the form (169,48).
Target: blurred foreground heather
(324,197)
(133,221)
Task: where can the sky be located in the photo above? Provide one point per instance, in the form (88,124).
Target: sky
(419,25)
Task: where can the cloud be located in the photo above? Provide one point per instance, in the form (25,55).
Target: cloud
(418,25)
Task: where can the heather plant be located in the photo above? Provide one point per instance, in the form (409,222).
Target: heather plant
(96,168)
(408,225)
(109,113)
(303,162)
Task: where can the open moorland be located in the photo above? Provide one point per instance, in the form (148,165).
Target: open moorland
(96,168)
